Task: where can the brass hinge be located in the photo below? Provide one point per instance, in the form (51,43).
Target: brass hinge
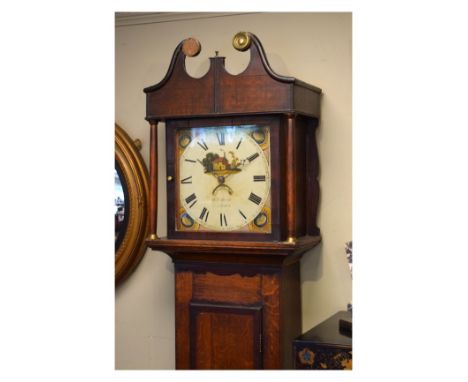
(260,343)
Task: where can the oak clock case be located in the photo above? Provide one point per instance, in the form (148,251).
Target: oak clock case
(131,202)
(242,199)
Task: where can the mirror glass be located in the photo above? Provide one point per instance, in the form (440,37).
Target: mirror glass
(121,204)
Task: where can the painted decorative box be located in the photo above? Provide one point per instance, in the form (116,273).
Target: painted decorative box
(326,346)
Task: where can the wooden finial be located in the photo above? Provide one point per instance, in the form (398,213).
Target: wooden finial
(191,47)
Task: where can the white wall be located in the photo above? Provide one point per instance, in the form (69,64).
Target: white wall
(314,47)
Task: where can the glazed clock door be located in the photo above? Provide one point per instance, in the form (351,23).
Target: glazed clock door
(221,178)
(225,336)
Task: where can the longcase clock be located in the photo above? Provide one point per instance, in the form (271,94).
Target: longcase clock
(242,196)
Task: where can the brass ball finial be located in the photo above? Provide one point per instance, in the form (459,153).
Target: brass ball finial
(241,41)
(191,47)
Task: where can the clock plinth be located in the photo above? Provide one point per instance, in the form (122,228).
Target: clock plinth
(242,197)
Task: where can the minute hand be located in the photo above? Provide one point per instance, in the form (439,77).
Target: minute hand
(251,158)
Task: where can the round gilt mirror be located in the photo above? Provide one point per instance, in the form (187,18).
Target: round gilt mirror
(131,205)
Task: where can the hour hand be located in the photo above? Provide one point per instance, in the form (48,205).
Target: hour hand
(223,185)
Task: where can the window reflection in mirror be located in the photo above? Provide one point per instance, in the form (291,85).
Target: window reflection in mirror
(120,203)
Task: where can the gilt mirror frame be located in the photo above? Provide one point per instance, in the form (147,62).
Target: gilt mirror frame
(134,177)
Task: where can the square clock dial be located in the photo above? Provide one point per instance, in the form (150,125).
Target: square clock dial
(223,179)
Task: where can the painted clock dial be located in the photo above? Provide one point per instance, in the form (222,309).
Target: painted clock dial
(223,179)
